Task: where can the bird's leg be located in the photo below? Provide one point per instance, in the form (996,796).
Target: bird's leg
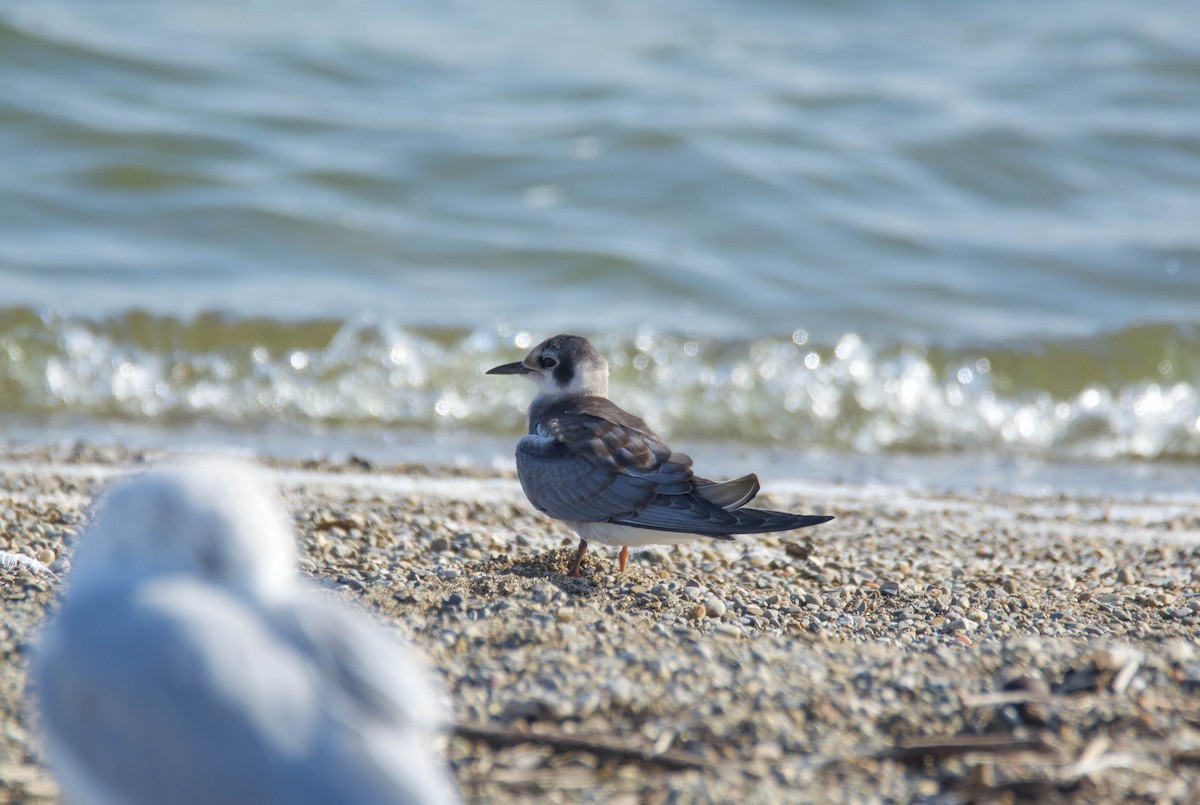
(624,557)
(574,571)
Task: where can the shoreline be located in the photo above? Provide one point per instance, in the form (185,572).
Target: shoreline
(466,451)
(922,645)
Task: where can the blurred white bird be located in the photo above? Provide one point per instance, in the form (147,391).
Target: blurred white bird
(191,664)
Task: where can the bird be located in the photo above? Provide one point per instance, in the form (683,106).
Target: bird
(190,662)
(607,475)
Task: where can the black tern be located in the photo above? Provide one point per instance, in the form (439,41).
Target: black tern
(603,471)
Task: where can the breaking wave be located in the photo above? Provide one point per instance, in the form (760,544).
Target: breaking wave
(1127,394)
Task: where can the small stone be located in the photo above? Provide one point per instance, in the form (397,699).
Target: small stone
(767,751)
(699,612)
(440,545)
(800,550)
(544,593)
(714,606)
(1180,651)
(1114,658)
(1126,576)
(46,557)
(890,588)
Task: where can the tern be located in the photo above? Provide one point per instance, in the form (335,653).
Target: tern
(604,472)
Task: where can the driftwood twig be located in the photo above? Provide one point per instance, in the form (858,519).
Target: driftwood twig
(913,748)
(598,745)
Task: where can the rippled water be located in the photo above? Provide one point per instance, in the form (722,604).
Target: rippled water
(863,226)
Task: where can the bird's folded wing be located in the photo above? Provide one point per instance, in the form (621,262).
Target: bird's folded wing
(374,677)
(181,693)
(589,460)
(575,487)
(611,437)
(157,699)
(688,514)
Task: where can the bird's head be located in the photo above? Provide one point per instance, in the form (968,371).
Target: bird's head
(562,366)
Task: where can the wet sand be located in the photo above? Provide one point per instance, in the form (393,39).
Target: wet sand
(920,647)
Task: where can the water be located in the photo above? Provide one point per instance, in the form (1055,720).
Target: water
(860,229)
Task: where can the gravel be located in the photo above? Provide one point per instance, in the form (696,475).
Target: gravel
(936,648)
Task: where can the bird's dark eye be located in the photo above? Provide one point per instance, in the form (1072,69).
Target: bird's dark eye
(547,363)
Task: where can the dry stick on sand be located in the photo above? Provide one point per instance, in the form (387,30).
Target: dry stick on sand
(599,746)
(915,748)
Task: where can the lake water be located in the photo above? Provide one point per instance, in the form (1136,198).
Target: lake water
(862,229)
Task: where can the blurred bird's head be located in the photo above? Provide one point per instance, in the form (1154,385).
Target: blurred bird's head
(216,520)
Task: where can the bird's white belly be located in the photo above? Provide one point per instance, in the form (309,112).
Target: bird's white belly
(613,534)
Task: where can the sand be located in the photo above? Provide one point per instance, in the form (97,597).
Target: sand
(921,647)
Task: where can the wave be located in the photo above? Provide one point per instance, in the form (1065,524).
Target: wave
(1126,394)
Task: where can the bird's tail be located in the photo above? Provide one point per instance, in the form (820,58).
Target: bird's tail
(760,521)
(693,514)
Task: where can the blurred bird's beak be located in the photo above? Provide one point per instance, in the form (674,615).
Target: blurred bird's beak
(516,368)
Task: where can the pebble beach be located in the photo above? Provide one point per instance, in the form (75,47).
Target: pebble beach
(921,647)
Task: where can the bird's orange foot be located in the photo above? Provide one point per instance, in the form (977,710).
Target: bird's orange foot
(624,557)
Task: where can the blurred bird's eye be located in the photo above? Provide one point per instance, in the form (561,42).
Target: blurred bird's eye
(547,363)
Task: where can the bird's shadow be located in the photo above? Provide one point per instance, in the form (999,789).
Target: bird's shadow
(599,574)
(551,566)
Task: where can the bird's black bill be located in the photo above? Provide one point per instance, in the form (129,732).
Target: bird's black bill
(517,368)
